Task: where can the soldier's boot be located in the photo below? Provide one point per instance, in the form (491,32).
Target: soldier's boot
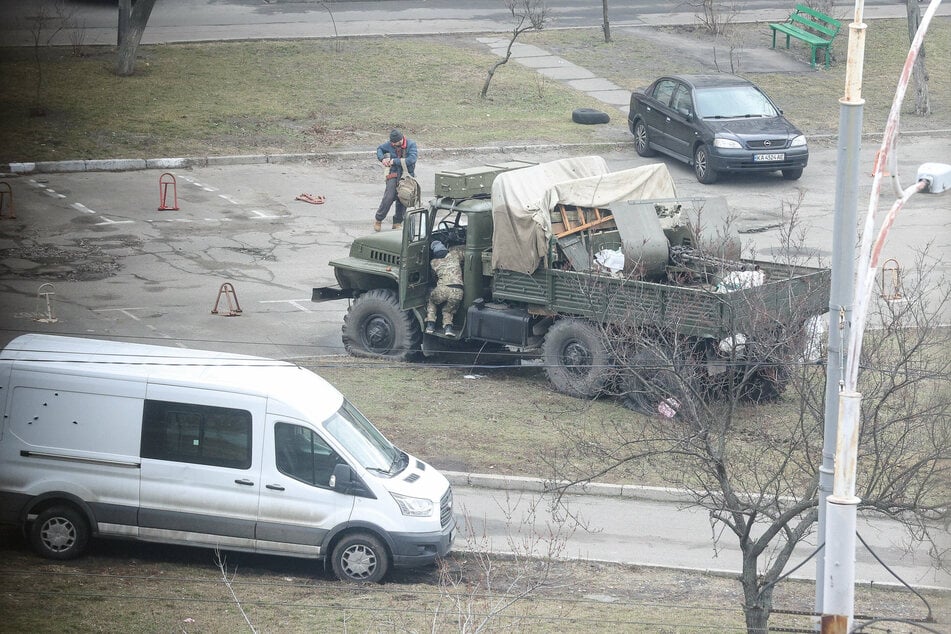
(450,331)
(430,327)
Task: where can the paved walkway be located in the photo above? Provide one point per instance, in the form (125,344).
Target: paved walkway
(709,57)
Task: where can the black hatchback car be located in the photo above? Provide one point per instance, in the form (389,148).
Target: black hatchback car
(718,124)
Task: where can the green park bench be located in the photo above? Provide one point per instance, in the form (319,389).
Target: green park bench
(812,27)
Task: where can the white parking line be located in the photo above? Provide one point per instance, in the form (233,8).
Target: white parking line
(124,311)
(106,221)
(292,302)
(260,213)
(83,208)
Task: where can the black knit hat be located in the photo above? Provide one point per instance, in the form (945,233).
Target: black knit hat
(395,136)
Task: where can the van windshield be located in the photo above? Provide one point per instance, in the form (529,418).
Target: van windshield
(363,441)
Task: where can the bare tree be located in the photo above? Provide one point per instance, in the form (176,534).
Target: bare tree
(743,433)
(606,27)
(50,18)
(529,15)
(918,72)
(714,15)
(133,17)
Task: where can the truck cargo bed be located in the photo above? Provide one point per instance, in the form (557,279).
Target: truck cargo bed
(689,310)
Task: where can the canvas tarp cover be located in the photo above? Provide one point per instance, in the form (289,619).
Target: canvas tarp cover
(523,199)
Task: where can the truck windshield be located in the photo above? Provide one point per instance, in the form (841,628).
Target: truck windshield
(363,441)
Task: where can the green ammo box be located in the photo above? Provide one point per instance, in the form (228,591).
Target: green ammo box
(473,181)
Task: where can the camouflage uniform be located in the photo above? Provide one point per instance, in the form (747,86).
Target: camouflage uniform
(448,291)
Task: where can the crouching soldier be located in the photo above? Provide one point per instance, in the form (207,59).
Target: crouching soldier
(447,265)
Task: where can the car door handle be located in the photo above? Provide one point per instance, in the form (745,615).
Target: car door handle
(245,482)
(274,487)
(668,119)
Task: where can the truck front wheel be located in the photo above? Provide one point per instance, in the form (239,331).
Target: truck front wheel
(375,327)
(576,360)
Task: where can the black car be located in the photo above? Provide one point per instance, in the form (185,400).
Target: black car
(718,124)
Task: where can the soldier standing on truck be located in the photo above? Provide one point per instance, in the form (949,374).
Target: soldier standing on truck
(390,154)
(447,265)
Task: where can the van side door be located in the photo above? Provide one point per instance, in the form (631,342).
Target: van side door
(201,467)
(298,505)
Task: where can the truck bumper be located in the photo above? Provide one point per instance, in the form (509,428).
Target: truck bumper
(328,293)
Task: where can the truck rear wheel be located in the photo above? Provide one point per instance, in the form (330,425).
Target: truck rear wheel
(576,360)
(375,327)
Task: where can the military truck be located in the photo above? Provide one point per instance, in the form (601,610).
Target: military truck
(558,257)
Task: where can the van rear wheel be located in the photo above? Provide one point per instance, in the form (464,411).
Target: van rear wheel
(360,557)
(60,532)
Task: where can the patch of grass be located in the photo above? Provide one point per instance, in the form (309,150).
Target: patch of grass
(312,95)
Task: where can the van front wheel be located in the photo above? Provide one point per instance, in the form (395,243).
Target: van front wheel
(59,532)
(360,558)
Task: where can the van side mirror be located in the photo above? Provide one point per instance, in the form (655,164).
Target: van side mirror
(344,480)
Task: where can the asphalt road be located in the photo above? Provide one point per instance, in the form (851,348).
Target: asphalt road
(94,22)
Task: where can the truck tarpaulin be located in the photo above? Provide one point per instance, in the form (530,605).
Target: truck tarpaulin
(523,199)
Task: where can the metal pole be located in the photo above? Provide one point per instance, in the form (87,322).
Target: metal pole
(851,107)
(842,505)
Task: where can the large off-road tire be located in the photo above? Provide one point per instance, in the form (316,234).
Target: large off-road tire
(589,116)
(701,165)
(646,382)
(375,327)
(575,358)
(60,532)
(641,139)
(360,557)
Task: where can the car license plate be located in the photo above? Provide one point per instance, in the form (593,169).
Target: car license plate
(768,157)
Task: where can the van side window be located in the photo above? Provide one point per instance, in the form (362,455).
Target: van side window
(303,455)
(200,434)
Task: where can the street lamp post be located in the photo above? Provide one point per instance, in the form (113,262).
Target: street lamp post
(838,580)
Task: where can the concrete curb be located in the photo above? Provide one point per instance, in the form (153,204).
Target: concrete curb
(126,165)
(540,485)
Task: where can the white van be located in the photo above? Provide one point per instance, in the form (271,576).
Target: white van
(109,439)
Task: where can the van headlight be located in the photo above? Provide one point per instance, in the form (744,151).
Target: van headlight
(414,507)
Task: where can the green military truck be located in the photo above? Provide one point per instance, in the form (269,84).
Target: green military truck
(561,258)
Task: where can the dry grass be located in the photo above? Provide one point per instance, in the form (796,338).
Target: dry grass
(313,95)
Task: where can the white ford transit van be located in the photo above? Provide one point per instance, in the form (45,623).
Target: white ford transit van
(108,439)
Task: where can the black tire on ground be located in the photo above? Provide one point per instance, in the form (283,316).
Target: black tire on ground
(701,165)
(60,532)
(575,358)
(642,140)
(646,382)
(360,557)
(589,116)
(375,327)
(792,175)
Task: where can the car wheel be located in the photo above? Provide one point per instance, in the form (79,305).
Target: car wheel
(701,165)
(589,116)
(576,360)
(792,175)
(375,327)
(360,557)
(641,140)
(60,532)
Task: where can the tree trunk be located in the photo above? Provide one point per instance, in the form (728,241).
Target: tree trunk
(918,73)
(757,603)
(141,10)
(125,11)
(607,22)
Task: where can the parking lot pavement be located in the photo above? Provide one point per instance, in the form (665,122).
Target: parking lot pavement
(95,245)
